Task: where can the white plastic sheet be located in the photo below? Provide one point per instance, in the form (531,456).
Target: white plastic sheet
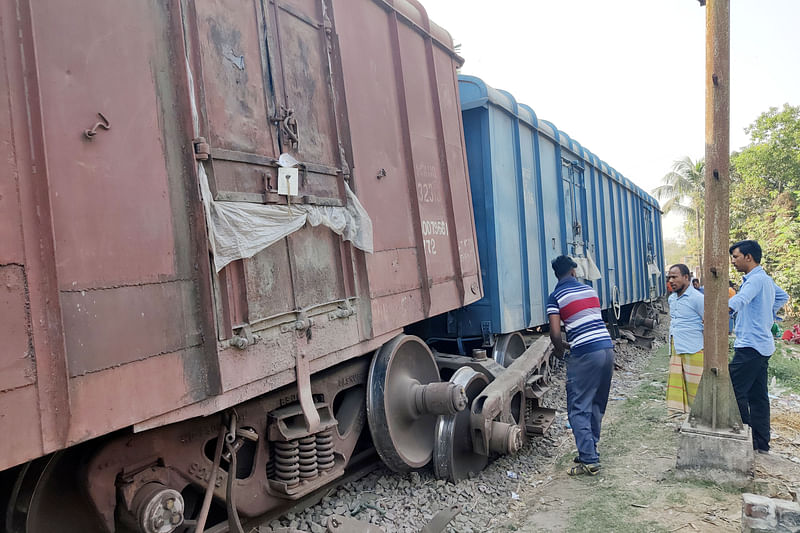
(587,269)
(239,230)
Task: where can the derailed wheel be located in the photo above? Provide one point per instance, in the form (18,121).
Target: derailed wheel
(404,396)
(453,456)
(508,347)
(643,315)
(46,497)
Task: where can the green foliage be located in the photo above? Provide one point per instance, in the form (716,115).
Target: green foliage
(764,194)
(682,190)
(674,252)
(785,365)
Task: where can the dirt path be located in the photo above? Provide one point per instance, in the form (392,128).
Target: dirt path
(637,490)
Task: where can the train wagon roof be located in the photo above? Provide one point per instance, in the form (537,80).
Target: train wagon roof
(477,93)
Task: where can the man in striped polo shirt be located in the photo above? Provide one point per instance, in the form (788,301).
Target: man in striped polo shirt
(590,362)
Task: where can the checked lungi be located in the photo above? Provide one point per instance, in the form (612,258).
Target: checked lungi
(685,371)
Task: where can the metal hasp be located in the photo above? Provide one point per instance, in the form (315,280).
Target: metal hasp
(404,396)
(497,414)
(715,405)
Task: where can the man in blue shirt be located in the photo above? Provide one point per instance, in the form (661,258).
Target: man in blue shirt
(686,339)
(697,287)
(756,304)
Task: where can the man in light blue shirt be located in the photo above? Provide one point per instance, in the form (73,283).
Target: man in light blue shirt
(756,304)
(697,287)
(686,340)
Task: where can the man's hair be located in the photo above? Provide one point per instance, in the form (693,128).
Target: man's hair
(748,247)
(684,270)
(562,265)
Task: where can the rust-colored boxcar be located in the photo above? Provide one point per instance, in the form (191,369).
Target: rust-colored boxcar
(151,270)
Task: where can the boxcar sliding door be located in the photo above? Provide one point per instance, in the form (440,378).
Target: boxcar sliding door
(267,75)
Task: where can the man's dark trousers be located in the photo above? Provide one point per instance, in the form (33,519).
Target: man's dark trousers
(588,385)
(748,371)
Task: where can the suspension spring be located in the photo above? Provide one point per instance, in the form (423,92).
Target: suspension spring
(308,457)
(325,449)
(287,462)
(271,461)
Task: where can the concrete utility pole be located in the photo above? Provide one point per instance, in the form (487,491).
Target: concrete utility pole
(713,438)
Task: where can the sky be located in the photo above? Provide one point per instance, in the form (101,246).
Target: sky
(626,78)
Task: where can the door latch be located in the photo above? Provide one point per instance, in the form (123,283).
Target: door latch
(202,150)
(288,127)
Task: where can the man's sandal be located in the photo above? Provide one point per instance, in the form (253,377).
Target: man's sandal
(582,468)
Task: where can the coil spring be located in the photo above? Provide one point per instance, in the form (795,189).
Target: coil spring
(287,462)
(271,461)
(325,449)
(308,457)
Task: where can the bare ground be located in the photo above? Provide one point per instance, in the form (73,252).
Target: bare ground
(637,490)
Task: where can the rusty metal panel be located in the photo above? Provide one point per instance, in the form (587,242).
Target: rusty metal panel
(161,317)
(317,275)
(268,292)
(22,437)
(109,194)
(410,169)
(123,245)
(17,367)
(453,139)
(237,103)
(119,240)
(249,93)
(376,134)
(300,33)
(10,222)
(130,393)
(400,264)
(45,336)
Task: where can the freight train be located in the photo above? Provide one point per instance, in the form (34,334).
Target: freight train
(221,224)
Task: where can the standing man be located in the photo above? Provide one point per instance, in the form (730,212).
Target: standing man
(590,363)
(685,339)
(696,285)
(755,305)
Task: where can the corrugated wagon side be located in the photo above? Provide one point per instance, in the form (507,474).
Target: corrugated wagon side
(537,194)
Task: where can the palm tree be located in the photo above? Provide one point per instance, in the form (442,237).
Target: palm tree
(683,191)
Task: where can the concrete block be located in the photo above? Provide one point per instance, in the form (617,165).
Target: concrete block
(715,455)
(758,513)
(788,515)
(762,514)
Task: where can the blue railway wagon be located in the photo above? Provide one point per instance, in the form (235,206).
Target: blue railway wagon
(537,194)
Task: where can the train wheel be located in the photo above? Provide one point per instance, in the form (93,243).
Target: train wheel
(404,395)
(507,348)
(46,497)
(453,456)
(643,315)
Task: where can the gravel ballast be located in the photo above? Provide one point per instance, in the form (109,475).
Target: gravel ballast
(404,503)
